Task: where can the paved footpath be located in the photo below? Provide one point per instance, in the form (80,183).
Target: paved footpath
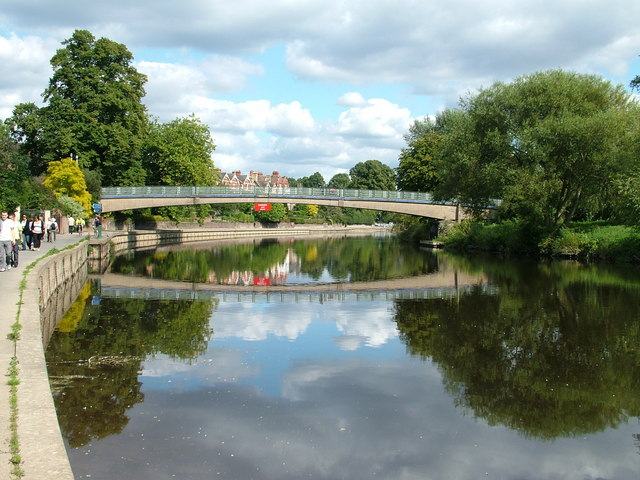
(9,286)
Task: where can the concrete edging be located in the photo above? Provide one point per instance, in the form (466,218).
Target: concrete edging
(45,299)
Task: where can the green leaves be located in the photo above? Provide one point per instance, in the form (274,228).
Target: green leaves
(549,144)
(179,153)
(93,110)
(372,175)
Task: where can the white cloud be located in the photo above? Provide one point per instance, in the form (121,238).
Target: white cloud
(24,69)
(196,56)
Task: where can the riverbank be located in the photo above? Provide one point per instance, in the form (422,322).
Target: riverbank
(584,240)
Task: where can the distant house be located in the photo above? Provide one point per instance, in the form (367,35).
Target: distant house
(254,179)
(236,179)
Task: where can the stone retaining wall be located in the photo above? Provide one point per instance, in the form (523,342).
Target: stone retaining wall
(51,288)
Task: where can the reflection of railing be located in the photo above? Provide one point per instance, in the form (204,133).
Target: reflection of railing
(294,295)
(289,192)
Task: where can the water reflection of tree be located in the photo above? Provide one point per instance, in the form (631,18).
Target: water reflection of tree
(555,353)
(94,369)
(345,259)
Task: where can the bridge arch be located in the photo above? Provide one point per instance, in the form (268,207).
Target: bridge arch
(410,203)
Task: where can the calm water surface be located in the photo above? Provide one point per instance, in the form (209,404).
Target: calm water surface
(292,360)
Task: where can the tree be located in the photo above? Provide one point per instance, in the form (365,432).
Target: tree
(314,181)
(93,111)
(14,173)
(547,144)
(179,153)
(416,171)
(339,180)
(277,213)
(372,175)
(635,83)
(64,177)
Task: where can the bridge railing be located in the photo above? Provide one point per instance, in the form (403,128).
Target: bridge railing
(183,191)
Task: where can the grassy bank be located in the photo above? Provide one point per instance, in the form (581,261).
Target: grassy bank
(584,240)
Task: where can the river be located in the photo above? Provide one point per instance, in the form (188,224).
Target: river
(350,358)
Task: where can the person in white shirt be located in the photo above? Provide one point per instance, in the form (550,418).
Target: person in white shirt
(15,247)
(7,239)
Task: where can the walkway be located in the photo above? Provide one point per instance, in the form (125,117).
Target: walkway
(9,286)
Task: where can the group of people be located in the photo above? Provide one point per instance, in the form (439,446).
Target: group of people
(26,234)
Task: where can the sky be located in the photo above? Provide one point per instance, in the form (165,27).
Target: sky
(305,86)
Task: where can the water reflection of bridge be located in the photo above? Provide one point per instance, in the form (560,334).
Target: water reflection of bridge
(436,285)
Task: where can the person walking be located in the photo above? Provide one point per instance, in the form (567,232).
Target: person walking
(97,224)
(7,239)
(52,228)
(72,224)
(25,232)
(37,230)
(15,246)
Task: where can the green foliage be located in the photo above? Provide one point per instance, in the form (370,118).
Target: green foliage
(64,177)
(339,180)
(69,206)
(551,145)
(93,110)
(94,184)
(595,241)
(14,173)
(372,175)
(179,153)
(314,181)
(591,240)
(416,171)
(507,237)
(277,214)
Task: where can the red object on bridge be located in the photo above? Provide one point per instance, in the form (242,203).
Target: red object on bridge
(262,207)
(261,281)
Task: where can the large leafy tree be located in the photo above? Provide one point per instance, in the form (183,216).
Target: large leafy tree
(417,170)
(372,175)
(17,187)
(339,180)
(314,181)
(549,144)
(93,110)
(179,153)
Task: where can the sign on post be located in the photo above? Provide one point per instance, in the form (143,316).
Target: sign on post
(262,207)
(97,207)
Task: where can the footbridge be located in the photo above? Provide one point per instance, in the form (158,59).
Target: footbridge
(411,203)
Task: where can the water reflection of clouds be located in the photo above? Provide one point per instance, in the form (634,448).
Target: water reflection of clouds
(361,323)
(217,365)
(348,419)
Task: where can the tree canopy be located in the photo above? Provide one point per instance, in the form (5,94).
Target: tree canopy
(93,110)
(550,145)
(179,153)
(372,175)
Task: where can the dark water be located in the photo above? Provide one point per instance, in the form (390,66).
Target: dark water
(466,368)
